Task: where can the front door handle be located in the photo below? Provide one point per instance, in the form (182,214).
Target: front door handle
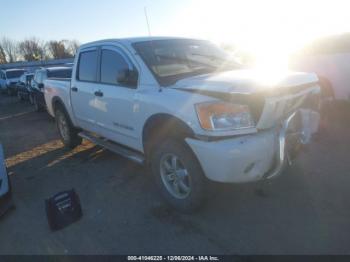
(74,89)
(98,93)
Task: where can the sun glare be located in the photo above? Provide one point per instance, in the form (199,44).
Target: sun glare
(270,30)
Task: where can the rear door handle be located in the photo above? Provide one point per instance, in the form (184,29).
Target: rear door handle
(98,93)
(74,89)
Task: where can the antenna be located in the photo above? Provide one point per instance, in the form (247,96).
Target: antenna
(148,27)
(152,45)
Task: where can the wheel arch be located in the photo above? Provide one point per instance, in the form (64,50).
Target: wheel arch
(58,102)
(161,125)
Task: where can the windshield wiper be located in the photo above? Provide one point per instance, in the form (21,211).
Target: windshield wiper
(212,57)
(185,60)
(226,64)
(171,80)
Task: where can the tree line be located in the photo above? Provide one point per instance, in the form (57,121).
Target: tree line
(34,49)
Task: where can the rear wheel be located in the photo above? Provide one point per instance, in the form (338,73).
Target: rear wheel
(68,133)
(178,175)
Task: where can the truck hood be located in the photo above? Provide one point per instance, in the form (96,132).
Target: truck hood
(271,96)
(245,81)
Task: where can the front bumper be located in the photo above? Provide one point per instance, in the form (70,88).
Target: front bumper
(259,156)
(23,91)
(12,86)
(3,89)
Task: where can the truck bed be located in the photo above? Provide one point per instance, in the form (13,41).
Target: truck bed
(56,87)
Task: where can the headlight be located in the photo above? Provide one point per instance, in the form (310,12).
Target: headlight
(224,116)
(8,82)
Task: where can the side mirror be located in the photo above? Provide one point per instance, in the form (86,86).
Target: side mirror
(127,77)
(40,85)
(122,76)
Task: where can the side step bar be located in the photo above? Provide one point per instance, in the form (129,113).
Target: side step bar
(114,147)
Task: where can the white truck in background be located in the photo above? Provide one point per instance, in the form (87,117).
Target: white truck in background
(9,79)
(328,57)
(333,71)
(182,107)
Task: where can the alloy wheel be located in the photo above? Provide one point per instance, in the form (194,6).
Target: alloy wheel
(175,176)
(63,126)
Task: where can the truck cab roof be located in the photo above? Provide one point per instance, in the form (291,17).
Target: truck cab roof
(14,69)
(131,40)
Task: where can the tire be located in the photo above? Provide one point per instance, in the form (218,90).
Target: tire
(31,99)
(190,181)
(20,98)
(68,133)
(9,92)
(38,107)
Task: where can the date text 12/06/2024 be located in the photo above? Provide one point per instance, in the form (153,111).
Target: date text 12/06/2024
(173,258)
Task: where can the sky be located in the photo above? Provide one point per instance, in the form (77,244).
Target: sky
(264,27)
(86,20)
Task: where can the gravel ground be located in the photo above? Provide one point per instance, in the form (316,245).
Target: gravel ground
(305,211)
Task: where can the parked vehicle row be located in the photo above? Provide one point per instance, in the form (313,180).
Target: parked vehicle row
(30,86)
(183,108)
(38,86)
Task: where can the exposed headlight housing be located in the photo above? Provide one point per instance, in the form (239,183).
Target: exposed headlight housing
(216,116)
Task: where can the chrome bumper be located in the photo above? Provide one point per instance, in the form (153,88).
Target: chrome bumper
(300,138)
(281,152)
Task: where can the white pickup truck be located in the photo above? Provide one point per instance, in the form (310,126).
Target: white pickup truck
(185,109)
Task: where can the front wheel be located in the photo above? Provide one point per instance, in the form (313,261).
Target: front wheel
(20,97)
(179,175)
(31,99)
(38,107)
(68,133)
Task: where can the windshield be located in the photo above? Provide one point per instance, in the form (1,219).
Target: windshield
(175,59)
(14,73)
